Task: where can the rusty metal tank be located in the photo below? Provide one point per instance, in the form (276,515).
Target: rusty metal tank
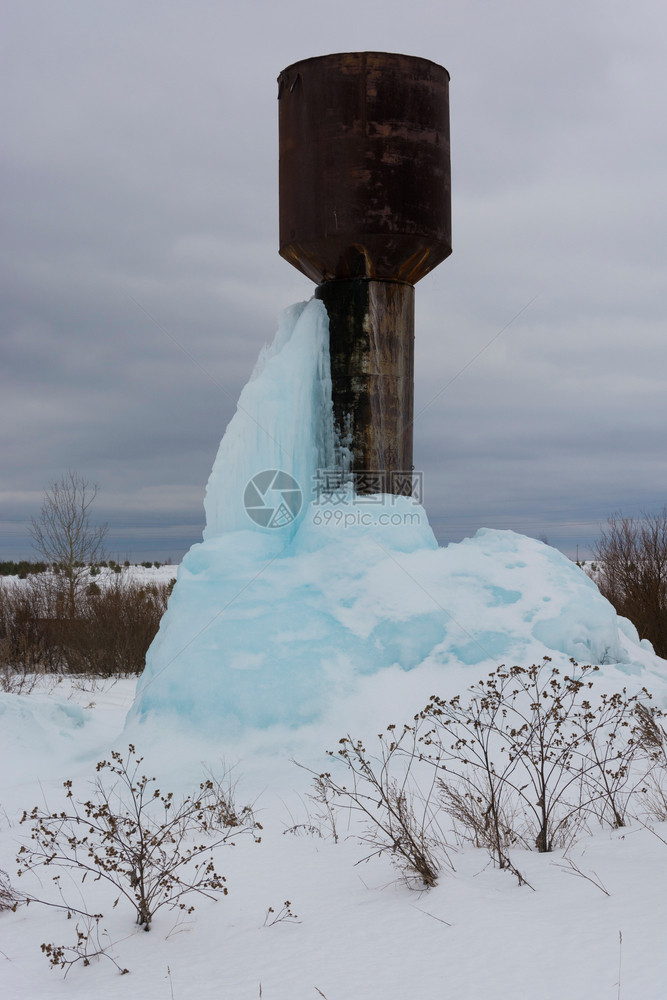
(365,212)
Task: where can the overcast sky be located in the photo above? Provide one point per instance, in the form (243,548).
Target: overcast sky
(141,276)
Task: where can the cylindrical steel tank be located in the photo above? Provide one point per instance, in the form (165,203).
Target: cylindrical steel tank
(365,211)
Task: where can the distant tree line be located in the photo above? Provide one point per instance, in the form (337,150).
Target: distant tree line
(63,620)
(21,568)
(24,568)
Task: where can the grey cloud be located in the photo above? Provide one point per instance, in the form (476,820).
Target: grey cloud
(140,173)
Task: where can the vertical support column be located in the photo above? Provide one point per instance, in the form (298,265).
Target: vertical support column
(371,326)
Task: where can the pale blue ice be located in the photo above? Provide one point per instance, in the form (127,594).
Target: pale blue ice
(269,625)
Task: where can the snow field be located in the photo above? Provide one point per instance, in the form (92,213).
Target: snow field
(362,931)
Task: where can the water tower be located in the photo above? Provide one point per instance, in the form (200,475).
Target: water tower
(365,212)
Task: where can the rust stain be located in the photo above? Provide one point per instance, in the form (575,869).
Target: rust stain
(367,135)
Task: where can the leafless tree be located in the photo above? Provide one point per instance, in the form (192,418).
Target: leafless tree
(63,533)
(632,575)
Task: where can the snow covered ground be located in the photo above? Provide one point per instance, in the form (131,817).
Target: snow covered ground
(339,616)
(129,574)
(360,931)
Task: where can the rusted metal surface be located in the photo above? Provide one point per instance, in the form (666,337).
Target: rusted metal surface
(364,166)
(365,211)
(371,326)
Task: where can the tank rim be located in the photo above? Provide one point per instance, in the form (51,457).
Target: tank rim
(363,52)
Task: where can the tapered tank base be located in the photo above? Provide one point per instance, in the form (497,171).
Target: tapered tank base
(371,330)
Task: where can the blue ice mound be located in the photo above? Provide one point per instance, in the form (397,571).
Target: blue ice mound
(291,601)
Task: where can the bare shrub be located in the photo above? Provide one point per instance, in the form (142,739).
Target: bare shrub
(324,810)
(654,741)
(468,749)
(530,758)
(632,572)
(542,748)
(656,797)
(115,626)
(570,867)
(284,914)
(9,897)
(25,609)
(109,635)
(611,743)
(134,837)
(480,819)
(88,946)
(13,681)
(534,743)
(219,807)
(322,815)
(399,817)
